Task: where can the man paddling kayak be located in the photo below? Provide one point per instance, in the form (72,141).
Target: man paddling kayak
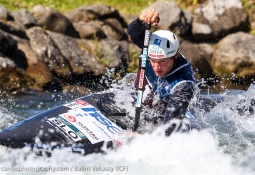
(169,76)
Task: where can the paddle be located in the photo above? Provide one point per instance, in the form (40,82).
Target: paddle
(141,76)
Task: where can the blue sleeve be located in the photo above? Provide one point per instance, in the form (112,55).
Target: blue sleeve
(136,31)
(177,106)
(179,101)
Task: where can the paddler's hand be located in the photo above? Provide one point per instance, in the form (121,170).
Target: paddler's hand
(150,17)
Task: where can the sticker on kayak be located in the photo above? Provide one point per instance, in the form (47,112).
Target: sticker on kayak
(68,128)
(90,122)
(71,118)
(76,104)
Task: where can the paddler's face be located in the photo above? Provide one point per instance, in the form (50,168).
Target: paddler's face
(163,66)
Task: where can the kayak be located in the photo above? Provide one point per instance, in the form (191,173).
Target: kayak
(84,125)
(82,121)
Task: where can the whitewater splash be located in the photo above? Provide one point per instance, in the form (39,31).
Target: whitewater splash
(194,153)
(224,145)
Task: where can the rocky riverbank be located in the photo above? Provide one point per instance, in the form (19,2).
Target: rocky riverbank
(45,50)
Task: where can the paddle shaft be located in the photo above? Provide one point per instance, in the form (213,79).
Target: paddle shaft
(142,76)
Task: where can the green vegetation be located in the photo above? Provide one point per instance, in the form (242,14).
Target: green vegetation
(249,5)
(124,6)
(189,4)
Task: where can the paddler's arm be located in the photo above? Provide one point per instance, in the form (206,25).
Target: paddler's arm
(178,103)
(136,29)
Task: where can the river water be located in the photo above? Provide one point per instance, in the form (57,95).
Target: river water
(223,145)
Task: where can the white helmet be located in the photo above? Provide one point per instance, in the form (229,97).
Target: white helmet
(163,44)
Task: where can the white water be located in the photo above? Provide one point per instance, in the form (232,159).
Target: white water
(224,145)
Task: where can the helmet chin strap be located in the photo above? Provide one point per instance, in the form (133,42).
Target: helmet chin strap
(176,57)
(177,54)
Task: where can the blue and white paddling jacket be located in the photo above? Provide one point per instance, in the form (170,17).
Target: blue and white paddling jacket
(174,90)
(162,86)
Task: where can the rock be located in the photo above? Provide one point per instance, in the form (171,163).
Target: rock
(114,53)
(14,79)
(113,29)
(109,28)
(47,51)
(130,17)
(90,30)
(75,89)
(3,13)
(6,62)
(111,53)
(235,56)
(13,28)
(95,12)
(24,17)
(81,48)
(199,56)
(36,68)
(172,17)
(8,46)
(82,59)
(216,18)
(52,20)
(253,22)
